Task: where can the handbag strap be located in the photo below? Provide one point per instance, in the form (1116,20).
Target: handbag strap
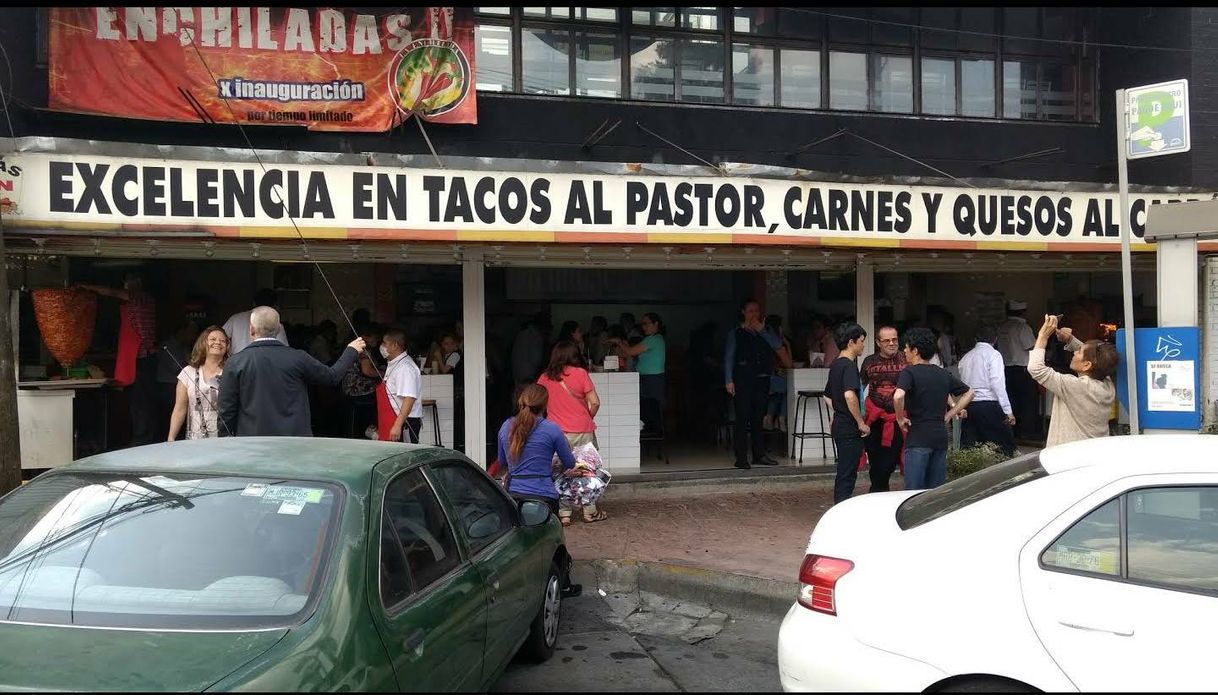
(583,403)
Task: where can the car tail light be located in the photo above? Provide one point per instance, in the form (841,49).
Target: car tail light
(818,576)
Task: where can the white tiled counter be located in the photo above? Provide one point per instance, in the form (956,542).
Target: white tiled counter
(438,387)
(809,379)
(617,421)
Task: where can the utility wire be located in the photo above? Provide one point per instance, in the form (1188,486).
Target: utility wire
(287,213)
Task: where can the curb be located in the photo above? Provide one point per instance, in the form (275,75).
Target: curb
(725,591)
(646,485)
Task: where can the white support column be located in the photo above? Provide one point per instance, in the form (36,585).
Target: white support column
(1209,338)
(473,297)
(864,302)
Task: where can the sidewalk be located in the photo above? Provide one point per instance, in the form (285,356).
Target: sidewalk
(758,530)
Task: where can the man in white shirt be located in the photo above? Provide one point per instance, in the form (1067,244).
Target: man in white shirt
(989,415)
(404,383)
(1015,339)
(238,325)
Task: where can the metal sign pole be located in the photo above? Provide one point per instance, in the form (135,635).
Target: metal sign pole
(1131,370)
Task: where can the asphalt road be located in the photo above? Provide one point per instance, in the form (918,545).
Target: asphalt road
(594,655)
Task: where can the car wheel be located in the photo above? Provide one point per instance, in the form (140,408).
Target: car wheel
(986,685)
(543,635)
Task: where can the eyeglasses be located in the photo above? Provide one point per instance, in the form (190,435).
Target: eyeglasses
(890,341)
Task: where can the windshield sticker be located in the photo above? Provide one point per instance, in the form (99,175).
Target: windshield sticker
(300,495)
(293,508)
(1086,559)
(254,490)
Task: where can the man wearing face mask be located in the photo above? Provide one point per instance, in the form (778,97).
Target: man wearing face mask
(399,406)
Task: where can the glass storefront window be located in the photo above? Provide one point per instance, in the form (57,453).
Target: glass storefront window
(977,88)
(545,64)
(501,11)
(596,14)
(494,61)
(800,79)
(893,83)
(1018,89)
(702,71)
(548,12)
(654,16)
(706,18)
(847,81)
(939,86)
(598,65)
(752,75)
(652,75)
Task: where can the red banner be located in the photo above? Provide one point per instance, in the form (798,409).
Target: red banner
(326,69)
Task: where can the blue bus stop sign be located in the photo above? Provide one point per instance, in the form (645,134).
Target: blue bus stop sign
(1169,377)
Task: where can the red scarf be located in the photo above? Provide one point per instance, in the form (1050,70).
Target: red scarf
(872,414)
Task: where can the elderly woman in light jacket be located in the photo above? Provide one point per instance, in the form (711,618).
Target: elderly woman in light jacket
(1082,404)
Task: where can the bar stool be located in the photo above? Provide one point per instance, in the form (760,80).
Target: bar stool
(435,420)
(801,416)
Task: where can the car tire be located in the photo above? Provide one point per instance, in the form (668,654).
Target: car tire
(543,634)
(986,685)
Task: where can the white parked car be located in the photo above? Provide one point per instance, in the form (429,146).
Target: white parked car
(1091,566)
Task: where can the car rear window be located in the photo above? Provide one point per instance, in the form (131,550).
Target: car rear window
(960,493)
(167,551)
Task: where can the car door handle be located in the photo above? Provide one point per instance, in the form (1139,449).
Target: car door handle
(1119,630)
(414,642)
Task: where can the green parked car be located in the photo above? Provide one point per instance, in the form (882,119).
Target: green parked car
(273,564)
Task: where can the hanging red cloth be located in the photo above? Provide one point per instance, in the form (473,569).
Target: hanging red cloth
(874,414)
(128,348)
(385,417)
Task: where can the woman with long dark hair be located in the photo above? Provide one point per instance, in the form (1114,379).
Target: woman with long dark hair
(652,355)
(198,389)
(528,443)
(573,403)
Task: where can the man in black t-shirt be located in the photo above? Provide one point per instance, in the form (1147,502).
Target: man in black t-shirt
(926,399)
(848,427)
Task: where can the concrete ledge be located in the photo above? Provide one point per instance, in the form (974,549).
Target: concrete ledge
(624,487)
(725,591)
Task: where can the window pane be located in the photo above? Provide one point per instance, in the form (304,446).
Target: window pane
(1021,22)
(942,18)
(395,575)
(752,75)
(977,88)
(654,16)
(493,10)
(418,520)
(1087,110)
(893,77)
(482,513)
(1018,89)
(798,23)
(843,28)
(702,71)
(596,14)
(1091,545)
(754,20)
(897,33)
(700,18)
(598,65)
(927,506)
(800,79)
(494,73)
(982,21)
(1058,97)
(548,12)
(651,69)
(939,86)
(848,81)
(546,61)
(1173,537)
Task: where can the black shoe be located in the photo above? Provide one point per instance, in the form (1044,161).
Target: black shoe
(767,461)
(573,590)
(742,465)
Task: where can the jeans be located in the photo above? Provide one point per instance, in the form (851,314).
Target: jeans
(849,451)
(925,468)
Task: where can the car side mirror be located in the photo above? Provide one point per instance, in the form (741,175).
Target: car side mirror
(534,513)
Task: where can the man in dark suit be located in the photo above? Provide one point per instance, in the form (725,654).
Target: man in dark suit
(263,391)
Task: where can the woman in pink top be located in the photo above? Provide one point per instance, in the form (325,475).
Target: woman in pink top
(573,399)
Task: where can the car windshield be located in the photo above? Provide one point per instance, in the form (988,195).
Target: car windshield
(960,493)
(173,551)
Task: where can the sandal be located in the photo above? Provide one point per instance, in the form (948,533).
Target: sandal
(598,516)
(566,521)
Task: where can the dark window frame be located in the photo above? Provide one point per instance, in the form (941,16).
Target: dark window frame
(417,594)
